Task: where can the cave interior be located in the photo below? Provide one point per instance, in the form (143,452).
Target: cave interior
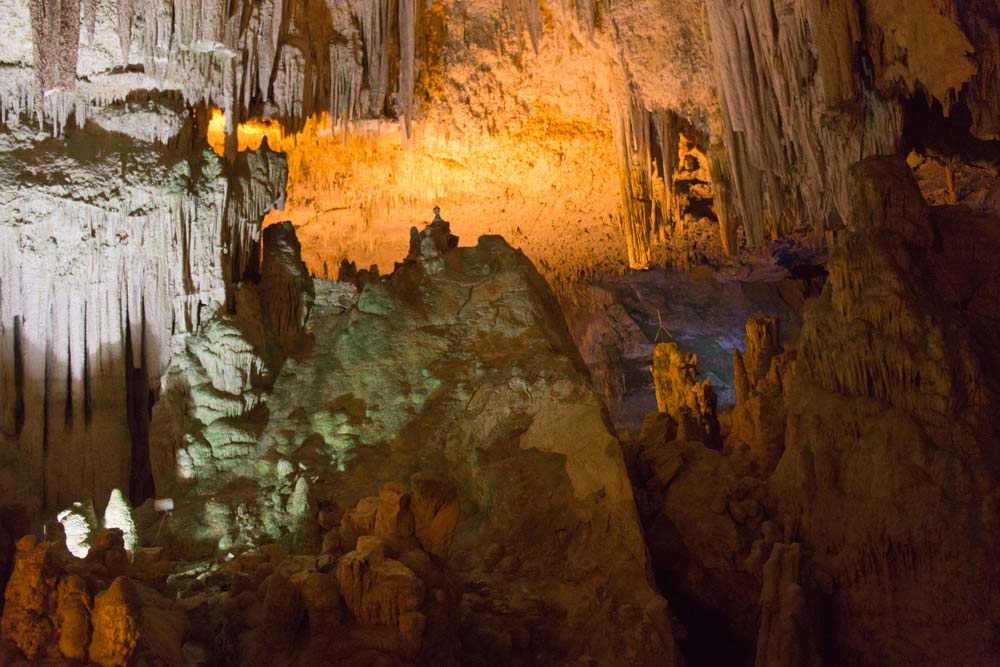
(584,333)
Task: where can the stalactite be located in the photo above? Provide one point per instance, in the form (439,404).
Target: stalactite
(729,217)
(665,178)
(55,28)
(630,123)
(346,75)
(245,57)
(791,111)
(407,46)
(532,20)
(374,20)
(90,18)
(126,14)
(86,320)
(589,14)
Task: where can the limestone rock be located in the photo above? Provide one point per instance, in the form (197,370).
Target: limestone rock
(378,590)
(785,637)
(359,521)
(394,516)
(411,631)
(283,605)
(465,373)
(163,626)
(115,624)
(700,519)
(120,226)
(150,566)
(427,245)
(758,419)
(13,526)
(107,550)
(73,618)
(321,596)
(885,470)
(435,507)
(691,403)
(285,284)
(31,595)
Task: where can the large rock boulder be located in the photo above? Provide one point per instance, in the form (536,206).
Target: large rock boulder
(457,365)
(116,624)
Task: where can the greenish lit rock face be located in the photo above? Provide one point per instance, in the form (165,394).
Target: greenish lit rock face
(458,363)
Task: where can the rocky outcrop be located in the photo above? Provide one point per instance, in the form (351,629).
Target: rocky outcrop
(457,363)
(887,466)
(690,402)
(382,596)
(222,374)
(61,607)
(757,422)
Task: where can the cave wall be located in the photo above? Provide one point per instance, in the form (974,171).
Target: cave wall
(111,245)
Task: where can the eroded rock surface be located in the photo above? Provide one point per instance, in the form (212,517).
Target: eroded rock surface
(848,518)
(888,467)
(458,366)
(95,610)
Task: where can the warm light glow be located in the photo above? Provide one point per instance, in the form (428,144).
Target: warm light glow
(249,135)
(548,185)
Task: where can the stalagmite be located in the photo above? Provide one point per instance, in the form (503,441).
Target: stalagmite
(691,403)
(79,521)
(118,514)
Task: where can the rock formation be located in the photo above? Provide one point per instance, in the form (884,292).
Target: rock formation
(132,243)
(374,414)
(855,465)
(758,419)
(690,402)
(93,609)
(887,451)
